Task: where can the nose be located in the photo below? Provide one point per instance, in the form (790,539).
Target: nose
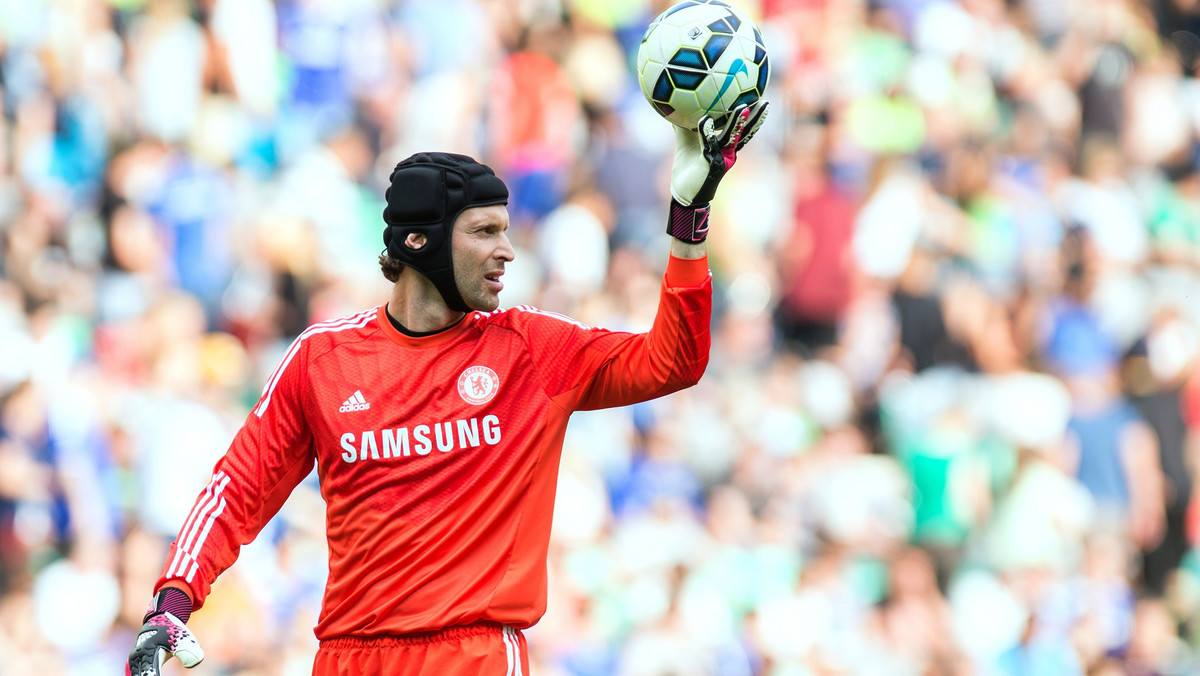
(505,251)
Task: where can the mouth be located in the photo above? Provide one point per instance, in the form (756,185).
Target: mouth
(493,279)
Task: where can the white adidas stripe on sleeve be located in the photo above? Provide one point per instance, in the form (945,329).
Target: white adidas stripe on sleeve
(353,322)
(555,315)
(203,536)
(188,546)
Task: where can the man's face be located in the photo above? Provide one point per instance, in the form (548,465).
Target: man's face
(481,248)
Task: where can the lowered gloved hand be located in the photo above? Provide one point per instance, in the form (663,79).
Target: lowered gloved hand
(702,157)
(164,635)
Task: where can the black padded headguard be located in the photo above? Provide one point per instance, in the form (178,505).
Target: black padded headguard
(426,194)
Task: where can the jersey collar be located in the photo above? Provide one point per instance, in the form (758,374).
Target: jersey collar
(420,342)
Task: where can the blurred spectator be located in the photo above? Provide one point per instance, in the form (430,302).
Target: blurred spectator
(167,58)
(534,120)
(1156,379)
(818,272)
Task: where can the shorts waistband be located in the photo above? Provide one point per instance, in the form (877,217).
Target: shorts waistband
(414,638)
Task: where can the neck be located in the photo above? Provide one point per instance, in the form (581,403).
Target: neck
(419,307)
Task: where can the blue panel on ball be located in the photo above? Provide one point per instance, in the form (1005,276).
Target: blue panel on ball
(686,79)
(764,69)
(758,38)
(760,54)
(719,26)
(664,109)
(688,58)
(662,88)
(715,47)
(733,21)
(746,97)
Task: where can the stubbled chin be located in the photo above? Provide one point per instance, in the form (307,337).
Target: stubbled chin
(486,302)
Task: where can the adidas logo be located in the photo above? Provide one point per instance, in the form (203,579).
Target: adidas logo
(355,403)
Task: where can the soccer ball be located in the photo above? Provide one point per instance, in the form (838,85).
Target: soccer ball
(701,57)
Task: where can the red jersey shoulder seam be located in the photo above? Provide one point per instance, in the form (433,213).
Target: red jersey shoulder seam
(298,345)
(333,342)
(490,317)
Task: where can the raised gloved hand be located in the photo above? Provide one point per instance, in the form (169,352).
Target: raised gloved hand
(701,159)
(164,635)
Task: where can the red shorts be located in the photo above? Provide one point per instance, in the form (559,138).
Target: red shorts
(480,649)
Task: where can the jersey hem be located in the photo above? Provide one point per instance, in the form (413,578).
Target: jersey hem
(414,638)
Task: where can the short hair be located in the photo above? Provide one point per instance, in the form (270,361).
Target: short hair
(390,267)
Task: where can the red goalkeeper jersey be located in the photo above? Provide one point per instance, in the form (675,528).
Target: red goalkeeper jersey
(437,456)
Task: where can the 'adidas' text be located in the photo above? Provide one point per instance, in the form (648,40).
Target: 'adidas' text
(356,402)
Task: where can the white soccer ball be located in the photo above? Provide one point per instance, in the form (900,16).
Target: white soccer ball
(701,57)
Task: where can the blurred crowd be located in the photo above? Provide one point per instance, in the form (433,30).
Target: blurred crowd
(951,425)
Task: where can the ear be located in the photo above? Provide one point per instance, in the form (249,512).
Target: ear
(415,240)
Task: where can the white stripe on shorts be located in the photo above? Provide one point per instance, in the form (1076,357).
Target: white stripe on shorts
(512,647)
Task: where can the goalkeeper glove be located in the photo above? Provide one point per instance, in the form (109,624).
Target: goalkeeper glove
(164,635)
(702,157)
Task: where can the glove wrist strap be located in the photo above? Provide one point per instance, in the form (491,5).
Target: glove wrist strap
(688,223)
(170,600)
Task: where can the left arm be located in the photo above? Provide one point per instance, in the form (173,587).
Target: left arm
(1139,455)
(688,250)
(674,354)
(671,356)
(600,369)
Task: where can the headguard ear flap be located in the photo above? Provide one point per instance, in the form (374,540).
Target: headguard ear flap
(426,193)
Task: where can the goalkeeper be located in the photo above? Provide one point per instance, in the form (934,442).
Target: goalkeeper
(436,422)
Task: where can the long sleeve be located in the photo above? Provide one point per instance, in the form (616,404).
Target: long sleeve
(269,456)
(672,355)
(588,368)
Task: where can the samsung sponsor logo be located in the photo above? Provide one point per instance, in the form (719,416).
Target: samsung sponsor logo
(421,440)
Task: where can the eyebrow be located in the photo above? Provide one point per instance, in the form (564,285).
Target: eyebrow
(486,224)
(483,220)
